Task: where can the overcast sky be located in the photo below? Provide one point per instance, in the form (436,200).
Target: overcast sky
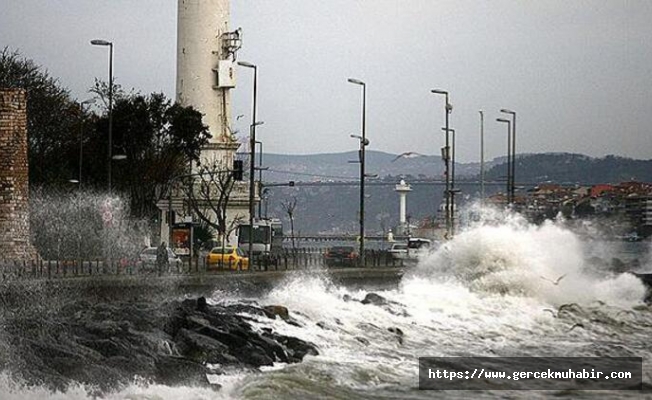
(578,73)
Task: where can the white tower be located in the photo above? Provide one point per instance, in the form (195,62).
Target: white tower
(206,51)
(205,70)
(402,189)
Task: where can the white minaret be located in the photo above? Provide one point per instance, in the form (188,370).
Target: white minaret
(402,189)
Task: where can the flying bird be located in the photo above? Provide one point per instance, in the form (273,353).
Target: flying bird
(408,154)
(239,116)
(555,282)
(577,325)
(569,306)
(630,312)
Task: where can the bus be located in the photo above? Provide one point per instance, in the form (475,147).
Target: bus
(267,237)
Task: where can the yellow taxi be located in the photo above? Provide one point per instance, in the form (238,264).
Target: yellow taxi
(228,257)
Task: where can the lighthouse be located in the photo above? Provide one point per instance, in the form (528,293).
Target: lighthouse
(206,52)
(206,74)
(402,189)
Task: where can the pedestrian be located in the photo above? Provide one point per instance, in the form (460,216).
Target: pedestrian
(162,260)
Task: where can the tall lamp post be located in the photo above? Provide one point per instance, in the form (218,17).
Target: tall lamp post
(252,156)
(101,42)
(452,191)
(260,169)
(481,156)
(513,136)
(363,143)
(81,140)
(447,110)
(509,158)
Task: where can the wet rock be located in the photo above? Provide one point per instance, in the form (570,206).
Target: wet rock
(106,345)
(181,371)
(202,305)
(362,340)
(398,332)
(323,325)
(375,299)
(273,311)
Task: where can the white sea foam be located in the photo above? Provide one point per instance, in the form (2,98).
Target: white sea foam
(483,293)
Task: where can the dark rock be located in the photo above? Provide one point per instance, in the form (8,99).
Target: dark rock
(375,299)
(200,348)
(201,304)
(273,311)
(105,345)
(297,348)
(362,340)
(181,371)
(398,332)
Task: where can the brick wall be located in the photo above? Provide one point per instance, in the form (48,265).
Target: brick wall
(14,184)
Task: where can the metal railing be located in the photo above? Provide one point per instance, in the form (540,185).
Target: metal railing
(286,260)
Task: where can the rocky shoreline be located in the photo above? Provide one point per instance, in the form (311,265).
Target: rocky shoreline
(106,346)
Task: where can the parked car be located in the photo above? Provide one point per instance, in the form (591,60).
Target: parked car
(398,251)
(341,255)
(148,259)
(416,247)
(230,257)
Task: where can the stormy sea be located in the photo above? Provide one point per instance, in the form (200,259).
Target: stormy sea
(501,288)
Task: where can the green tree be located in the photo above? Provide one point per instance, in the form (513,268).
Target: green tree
(52,118)
(160,140)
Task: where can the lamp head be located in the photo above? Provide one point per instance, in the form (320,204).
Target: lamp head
(356,81)
(246,64)
(100,42)
(439,91)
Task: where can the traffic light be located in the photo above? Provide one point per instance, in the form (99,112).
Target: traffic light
(238,167)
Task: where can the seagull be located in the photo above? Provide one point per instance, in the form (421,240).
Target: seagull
(239,116)
(569,306)
(408,154)
(630,312)
(577,325)
(555,282)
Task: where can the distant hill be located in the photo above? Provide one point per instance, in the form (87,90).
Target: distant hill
(556,167)
(331,209)
(337,166)
(575,168)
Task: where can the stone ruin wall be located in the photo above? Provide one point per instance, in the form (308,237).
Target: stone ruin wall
(14,179)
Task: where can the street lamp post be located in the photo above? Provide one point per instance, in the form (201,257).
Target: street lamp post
(513,136)
(100,42)
(252,156)
(453,191)
(260,175)
(509,157)
(447,110)
(481,156)
(363,143)
(81,138)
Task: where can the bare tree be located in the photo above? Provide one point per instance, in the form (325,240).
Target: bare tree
(289,207)
(207,193)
